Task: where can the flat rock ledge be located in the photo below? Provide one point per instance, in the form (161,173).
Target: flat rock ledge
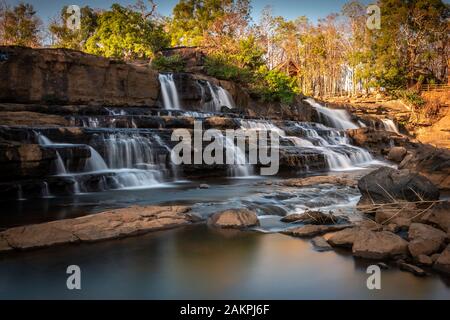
(118,223)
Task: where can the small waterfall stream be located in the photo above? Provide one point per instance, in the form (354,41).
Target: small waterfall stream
(169,92)
(336,118)
(389,125)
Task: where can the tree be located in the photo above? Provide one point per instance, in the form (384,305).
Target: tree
(63,37)
(125,33)
(19,25)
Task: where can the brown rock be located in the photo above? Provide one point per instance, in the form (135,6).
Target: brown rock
(309,181)
(424,239)
(32,119)
(379,245)
(62,76)
(321,244)
(344,238)
(313,230)
(424,260)
(443,262)
(234,218)
(101,226)
(439,216)
(396,154)
(413,269)
(314,217)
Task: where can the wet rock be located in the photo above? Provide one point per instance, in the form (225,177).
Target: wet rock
(413,269)
(234,218)
(320,244)
(301,159)
(376,141)
(396,154)
(424,260)
(443,262)
(424,239)
(379,245)
(385,184)
(204,186)
(313,230)
(101,226)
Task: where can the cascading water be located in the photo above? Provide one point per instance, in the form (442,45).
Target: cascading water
(339,119)
(389,125)
(59,164)
(334,144)
(169,92)
(219,98)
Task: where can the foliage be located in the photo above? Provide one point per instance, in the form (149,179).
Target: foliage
(218,66)
(63,37)
(19,25)
(411,96)
(124,33)
(274,85)
(174,63)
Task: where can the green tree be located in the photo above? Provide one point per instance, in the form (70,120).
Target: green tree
(20,25)
(63,37)
(125,33)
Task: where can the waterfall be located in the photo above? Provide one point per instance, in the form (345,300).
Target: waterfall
(334,144)
(59,163)
(389,125)
(339,119)
(240,168)
(169,92)
(219,98)
(95,162)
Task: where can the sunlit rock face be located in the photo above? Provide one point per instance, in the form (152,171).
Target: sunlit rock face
(57,76)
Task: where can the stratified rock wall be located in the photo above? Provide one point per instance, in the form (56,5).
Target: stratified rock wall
(60,76)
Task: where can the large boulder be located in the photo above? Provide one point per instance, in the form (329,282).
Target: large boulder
(111,224)
(424,239)
(379,245)
(62,76)
(431,162)
(234,218)
(386,184)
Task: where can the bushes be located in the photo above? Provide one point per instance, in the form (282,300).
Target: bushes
(220,68)
(173,63)
(274,85)
(410,96)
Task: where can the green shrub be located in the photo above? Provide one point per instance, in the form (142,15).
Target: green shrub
(410,96)
(218,67)
(173,63)
(274,85)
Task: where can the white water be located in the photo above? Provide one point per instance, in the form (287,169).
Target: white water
(169,92)
(334,144)
(59,164)
(220,98)
(339,119)
(389,125)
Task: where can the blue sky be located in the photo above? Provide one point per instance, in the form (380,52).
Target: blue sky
(290,9)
